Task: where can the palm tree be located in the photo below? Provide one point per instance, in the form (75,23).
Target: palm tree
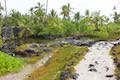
(25,24)
(87,13)
(46,6)
(14,18)
(116,17)
(66,9)
(39,12)
(98,20)
(53,14)
(1,19)
(31,11)
(77,16)
(5,12)
(1,9)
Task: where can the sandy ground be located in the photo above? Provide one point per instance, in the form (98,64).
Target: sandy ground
(26,70)
(97,63)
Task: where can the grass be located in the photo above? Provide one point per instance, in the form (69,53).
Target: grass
(58,63)
(116,50)
(33,59)
(9,64)
(22,47)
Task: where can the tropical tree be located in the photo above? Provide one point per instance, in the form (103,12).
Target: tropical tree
(77,16)
(1,9)
(87,13)
(31,10)
(98,20)
(116,17)
(46,6)
(53,14)
(39,12)
(14,18)
(26,25)
(1,18)
(66,9)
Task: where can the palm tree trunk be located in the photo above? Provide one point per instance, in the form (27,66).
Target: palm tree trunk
(46,6)
(5,13)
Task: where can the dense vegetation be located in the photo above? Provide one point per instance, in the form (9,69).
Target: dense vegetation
(62,57)
(37,22)
(9,64)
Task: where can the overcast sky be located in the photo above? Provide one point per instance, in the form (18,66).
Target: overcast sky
(106,6)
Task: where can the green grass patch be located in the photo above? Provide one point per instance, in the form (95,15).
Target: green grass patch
(22,47)
(63,56)
(9,63)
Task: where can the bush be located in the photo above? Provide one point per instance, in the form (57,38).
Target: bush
(69,28)
(9,63)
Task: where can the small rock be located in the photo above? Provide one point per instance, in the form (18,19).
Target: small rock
(109,76)
(91,65)
(94,70)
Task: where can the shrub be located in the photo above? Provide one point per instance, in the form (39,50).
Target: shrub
(9,63)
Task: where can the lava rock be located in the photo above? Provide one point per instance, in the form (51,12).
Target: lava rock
(65,75)
(68,75)
(27,52)
(91,65)
(109,76)
(94,70)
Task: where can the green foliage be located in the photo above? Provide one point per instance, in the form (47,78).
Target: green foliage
(54,28)
(69,28)
(22,47)
(9,63)
(66,9)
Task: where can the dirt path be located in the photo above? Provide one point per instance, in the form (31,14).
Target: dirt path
(97,64)
(26,70)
